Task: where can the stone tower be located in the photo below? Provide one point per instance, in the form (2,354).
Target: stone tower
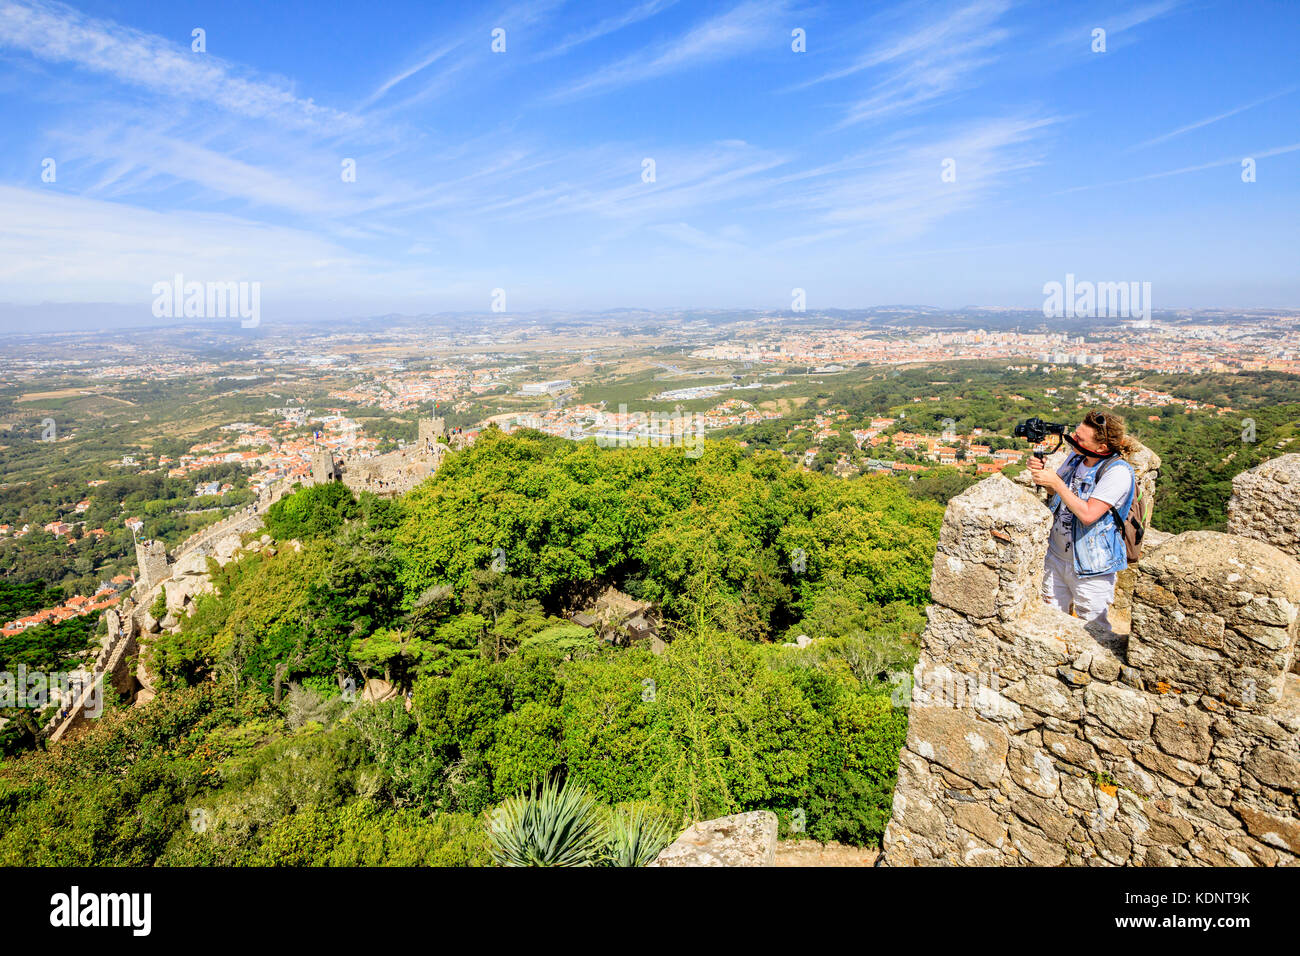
(431,429)
(151,559)
(323,467)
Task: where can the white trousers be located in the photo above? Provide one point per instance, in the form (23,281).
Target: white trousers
(1090,596)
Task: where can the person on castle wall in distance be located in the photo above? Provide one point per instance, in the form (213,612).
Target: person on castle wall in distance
(1086,548)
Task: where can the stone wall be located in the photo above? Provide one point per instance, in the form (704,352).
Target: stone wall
(1033,741)
(324,469)
(151,560)
(112,668)
(431,430)
(1266,504)
(396,472)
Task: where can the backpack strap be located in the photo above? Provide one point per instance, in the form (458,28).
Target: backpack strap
(1119,522)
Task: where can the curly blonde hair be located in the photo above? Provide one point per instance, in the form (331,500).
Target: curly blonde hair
(1110,428)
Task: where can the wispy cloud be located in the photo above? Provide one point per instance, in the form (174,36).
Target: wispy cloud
(696,238)
(924,61)
(1124,19)
(1230,161)
(59,34)
(896,191)
(739,30)
(642,11)
(1211,119)
(1116,25)
(437,54)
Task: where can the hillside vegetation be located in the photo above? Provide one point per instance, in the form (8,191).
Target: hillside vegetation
(258,750)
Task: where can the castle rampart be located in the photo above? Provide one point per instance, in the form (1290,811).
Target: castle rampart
(1033,741)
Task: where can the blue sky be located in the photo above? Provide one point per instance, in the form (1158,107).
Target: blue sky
(774,169)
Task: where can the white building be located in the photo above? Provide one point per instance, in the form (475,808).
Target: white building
(545,388)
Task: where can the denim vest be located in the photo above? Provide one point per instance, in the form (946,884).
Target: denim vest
(1098,547)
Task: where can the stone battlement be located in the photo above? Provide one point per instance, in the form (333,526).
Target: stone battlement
(397,472)
(1035,741)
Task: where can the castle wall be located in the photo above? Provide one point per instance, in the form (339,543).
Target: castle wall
(396,472)
(323,467)
(112,668)
(1265,504)
(431,430)
(151,559)
(1034,741)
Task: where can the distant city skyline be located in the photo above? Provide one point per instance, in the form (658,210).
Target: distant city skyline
(653,154)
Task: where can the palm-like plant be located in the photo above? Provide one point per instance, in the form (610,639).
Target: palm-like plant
(556,825)
(637,835)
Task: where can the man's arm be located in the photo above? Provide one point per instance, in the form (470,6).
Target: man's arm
(1087,511)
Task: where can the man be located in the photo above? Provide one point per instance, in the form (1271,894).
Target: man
(1086,547)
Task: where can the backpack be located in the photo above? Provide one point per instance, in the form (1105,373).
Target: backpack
(1135,527)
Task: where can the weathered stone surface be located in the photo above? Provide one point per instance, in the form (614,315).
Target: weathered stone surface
(1274,768)
(924,819)
(743,839)
(1177,744)
(966,588)
(973,748)
(1034,850)
(226,548)
(1271,828)
(1078,792)
(1124,711)
(1265,504)
(991,549)
(195,562)
(1211,638)
(978,819)
(954,639)
(1113,846)
(1042,638)
(1184,734)
(1073,677)
(1178,770)
(1054,824)
(1046,695)
(1032,769)
(1072,750)
(1163,828)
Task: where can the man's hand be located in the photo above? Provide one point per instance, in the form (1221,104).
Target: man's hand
(1043,476)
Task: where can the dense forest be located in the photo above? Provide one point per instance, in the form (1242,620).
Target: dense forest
(260,751)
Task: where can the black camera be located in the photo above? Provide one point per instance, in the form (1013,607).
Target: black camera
(1036,430)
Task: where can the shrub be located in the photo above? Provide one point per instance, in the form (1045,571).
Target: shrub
(638,833)
(556,825)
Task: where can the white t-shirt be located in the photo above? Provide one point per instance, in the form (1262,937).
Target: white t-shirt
(1115,487)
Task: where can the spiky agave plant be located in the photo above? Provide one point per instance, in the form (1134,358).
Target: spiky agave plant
(556,825)
(637,835)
